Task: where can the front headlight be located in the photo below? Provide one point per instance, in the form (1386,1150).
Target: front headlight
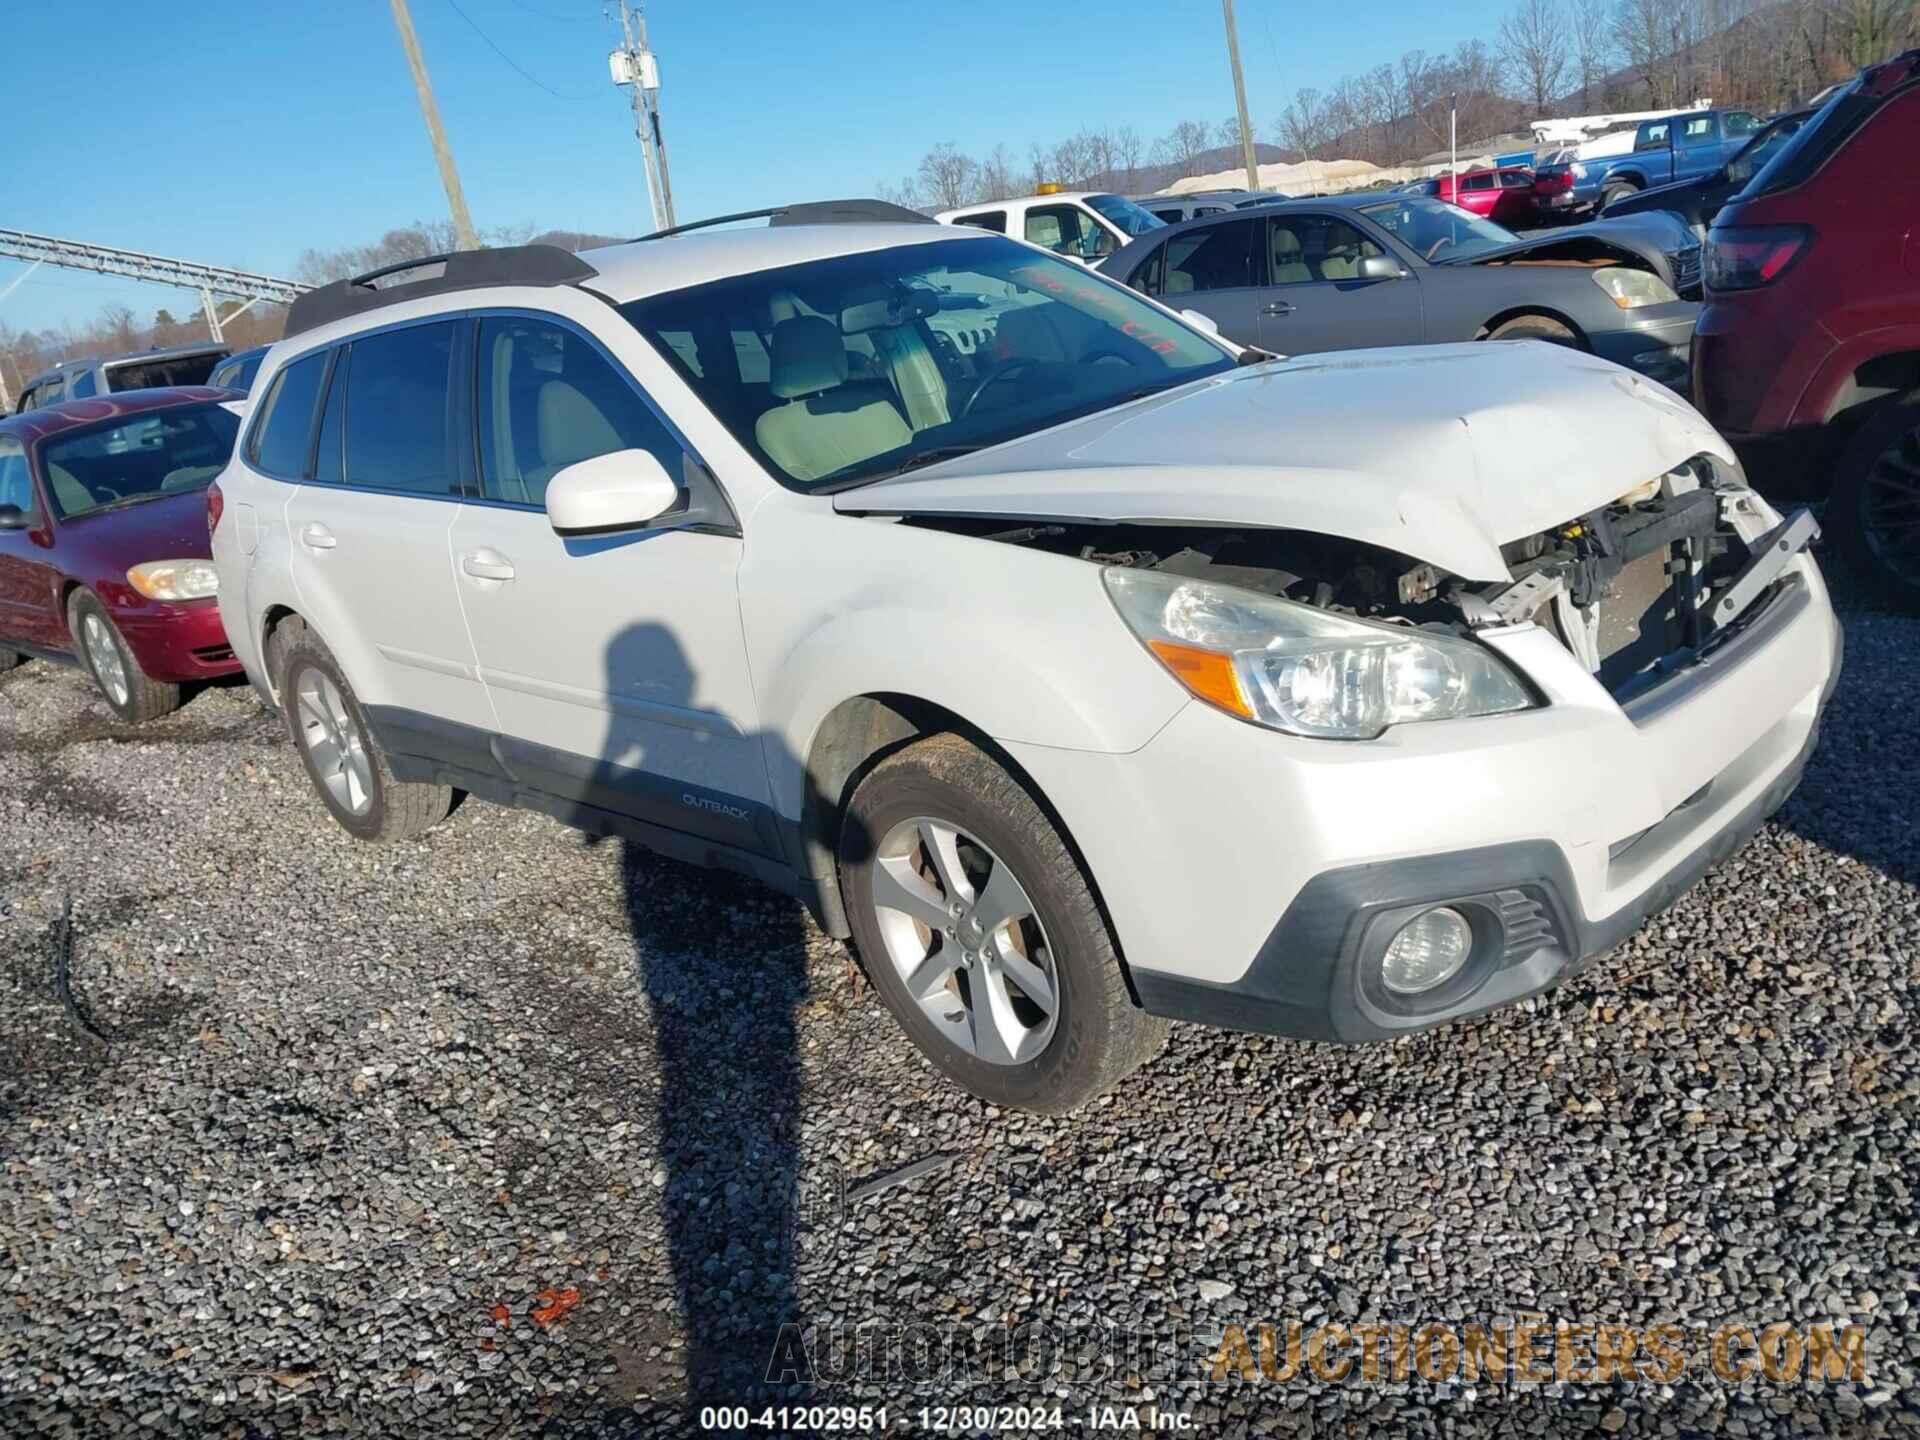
(175,579)
(1630,289)
(1306,671)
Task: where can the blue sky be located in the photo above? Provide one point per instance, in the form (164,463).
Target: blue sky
(242,132)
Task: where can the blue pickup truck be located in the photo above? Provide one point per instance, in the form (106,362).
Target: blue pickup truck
(1674,147)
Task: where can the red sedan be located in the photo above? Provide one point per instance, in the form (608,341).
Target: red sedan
(1504,195)
(103,541)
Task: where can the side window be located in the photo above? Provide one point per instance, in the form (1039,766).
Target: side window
(1478,182)
(83,385)
(1151,277)
(994,220)
(1216,257)
(53,392)
(1697,130)
(282,443)
(1652,137)
(1172,217)
(1057,227)
(398,399)
(1738,124)
(16,487)
(1515,180)
(549,399)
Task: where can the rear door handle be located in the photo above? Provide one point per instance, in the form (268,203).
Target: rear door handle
(1277,307)
(487,565)
(317,537)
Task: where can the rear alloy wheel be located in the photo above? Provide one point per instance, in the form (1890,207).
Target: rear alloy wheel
(128,690)
(1534,327)
(1618,190)
(343,759)
(981,933)
(1874,515)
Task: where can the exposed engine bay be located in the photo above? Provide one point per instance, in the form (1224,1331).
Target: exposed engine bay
(1635,590)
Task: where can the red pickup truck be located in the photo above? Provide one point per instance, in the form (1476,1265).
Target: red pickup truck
(1504,195)
(1807,353)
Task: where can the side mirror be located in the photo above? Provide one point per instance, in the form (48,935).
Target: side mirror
(624,490)
(1201,322)
(12,517)
(1380,267)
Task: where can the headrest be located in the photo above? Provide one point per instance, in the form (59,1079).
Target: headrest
(808,356)
(1285,242)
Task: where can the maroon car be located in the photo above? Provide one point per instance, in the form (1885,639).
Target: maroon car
(103,541)
(1807,355)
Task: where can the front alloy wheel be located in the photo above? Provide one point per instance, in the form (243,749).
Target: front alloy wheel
(965,941)
(980,930)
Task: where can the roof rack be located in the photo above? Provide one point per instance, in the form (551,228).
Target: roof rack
(536,265)
(812,212)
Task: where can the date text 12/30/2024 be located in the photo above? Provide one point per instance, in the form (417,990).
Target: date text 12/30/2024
(943,1419)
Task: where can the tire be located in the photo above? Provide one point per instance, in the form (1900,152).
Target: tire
(1879,486)
(9,659)
(1616,190)
(1534,327)
(343,759)
(129,691)
(943,796)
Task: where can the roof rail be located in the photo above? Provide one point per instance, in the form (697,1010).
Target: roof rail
(462,270)
(812,212)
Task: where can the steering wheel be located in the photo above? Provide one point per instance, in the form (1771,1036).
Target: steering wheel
(1004,370)
(1094,357)
(1439,245)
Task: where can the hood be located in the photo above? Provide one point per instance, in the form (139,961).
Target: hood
(1632,238)
(1442,452)
(172,527)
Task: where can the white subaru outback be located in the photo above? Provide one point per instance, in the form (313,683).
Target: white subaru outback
(1086,671)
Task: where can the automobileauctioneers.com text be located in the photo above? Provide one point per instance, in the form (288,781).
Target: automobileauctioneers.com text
(1291,1352)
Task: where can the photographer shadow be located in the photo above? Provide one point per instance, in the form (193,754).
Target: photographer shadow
(722,959)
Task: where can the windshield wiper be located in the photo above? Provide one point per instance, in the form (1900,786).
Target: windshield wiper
(912,462)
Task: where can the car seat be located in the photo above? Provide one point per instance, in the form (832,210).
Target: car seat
(825,424)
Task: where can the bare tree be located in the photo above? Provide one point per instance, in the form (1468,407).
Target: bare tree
(947,176)
(1593,50)
(996,181)
(1303,124)
(1639,27)
(1182,146)
(1533,42)
(1127,154)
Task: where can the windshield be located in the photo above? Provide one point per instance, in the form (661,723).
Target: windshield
(1436,230)
(1815,142)
(160,452)
(1124,213)
(841,371)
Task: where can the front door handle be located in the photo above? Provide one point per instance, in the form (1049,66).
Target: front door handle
(487,565)
(1277,307)
(317,537)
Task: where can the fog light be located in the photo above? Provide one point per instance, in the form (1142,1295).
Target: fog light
(1428,951)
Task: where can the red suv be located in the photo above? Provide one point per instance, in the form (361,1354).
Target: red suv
(1807,353)
(103,541)
(1504,196)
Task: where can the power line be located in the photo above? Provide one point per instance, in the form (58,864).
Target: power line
(511,62)
(564,19)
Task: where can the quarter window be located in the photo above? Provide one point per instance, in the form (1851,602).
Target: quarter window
(398,400)
(16,487)
(283,442)
(83,385)
(549,399)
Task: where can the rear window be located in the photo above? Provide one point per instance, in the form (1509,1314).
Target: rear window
(149,374)
(1816,142)
(142,457)
(994,220)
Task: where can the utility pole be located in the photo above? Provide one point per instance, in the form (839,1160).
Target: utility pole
(636,67)
(456,199)
(1240,97)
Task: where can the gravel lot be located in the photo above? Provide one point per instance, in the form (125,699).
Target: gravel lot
(506,1132)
